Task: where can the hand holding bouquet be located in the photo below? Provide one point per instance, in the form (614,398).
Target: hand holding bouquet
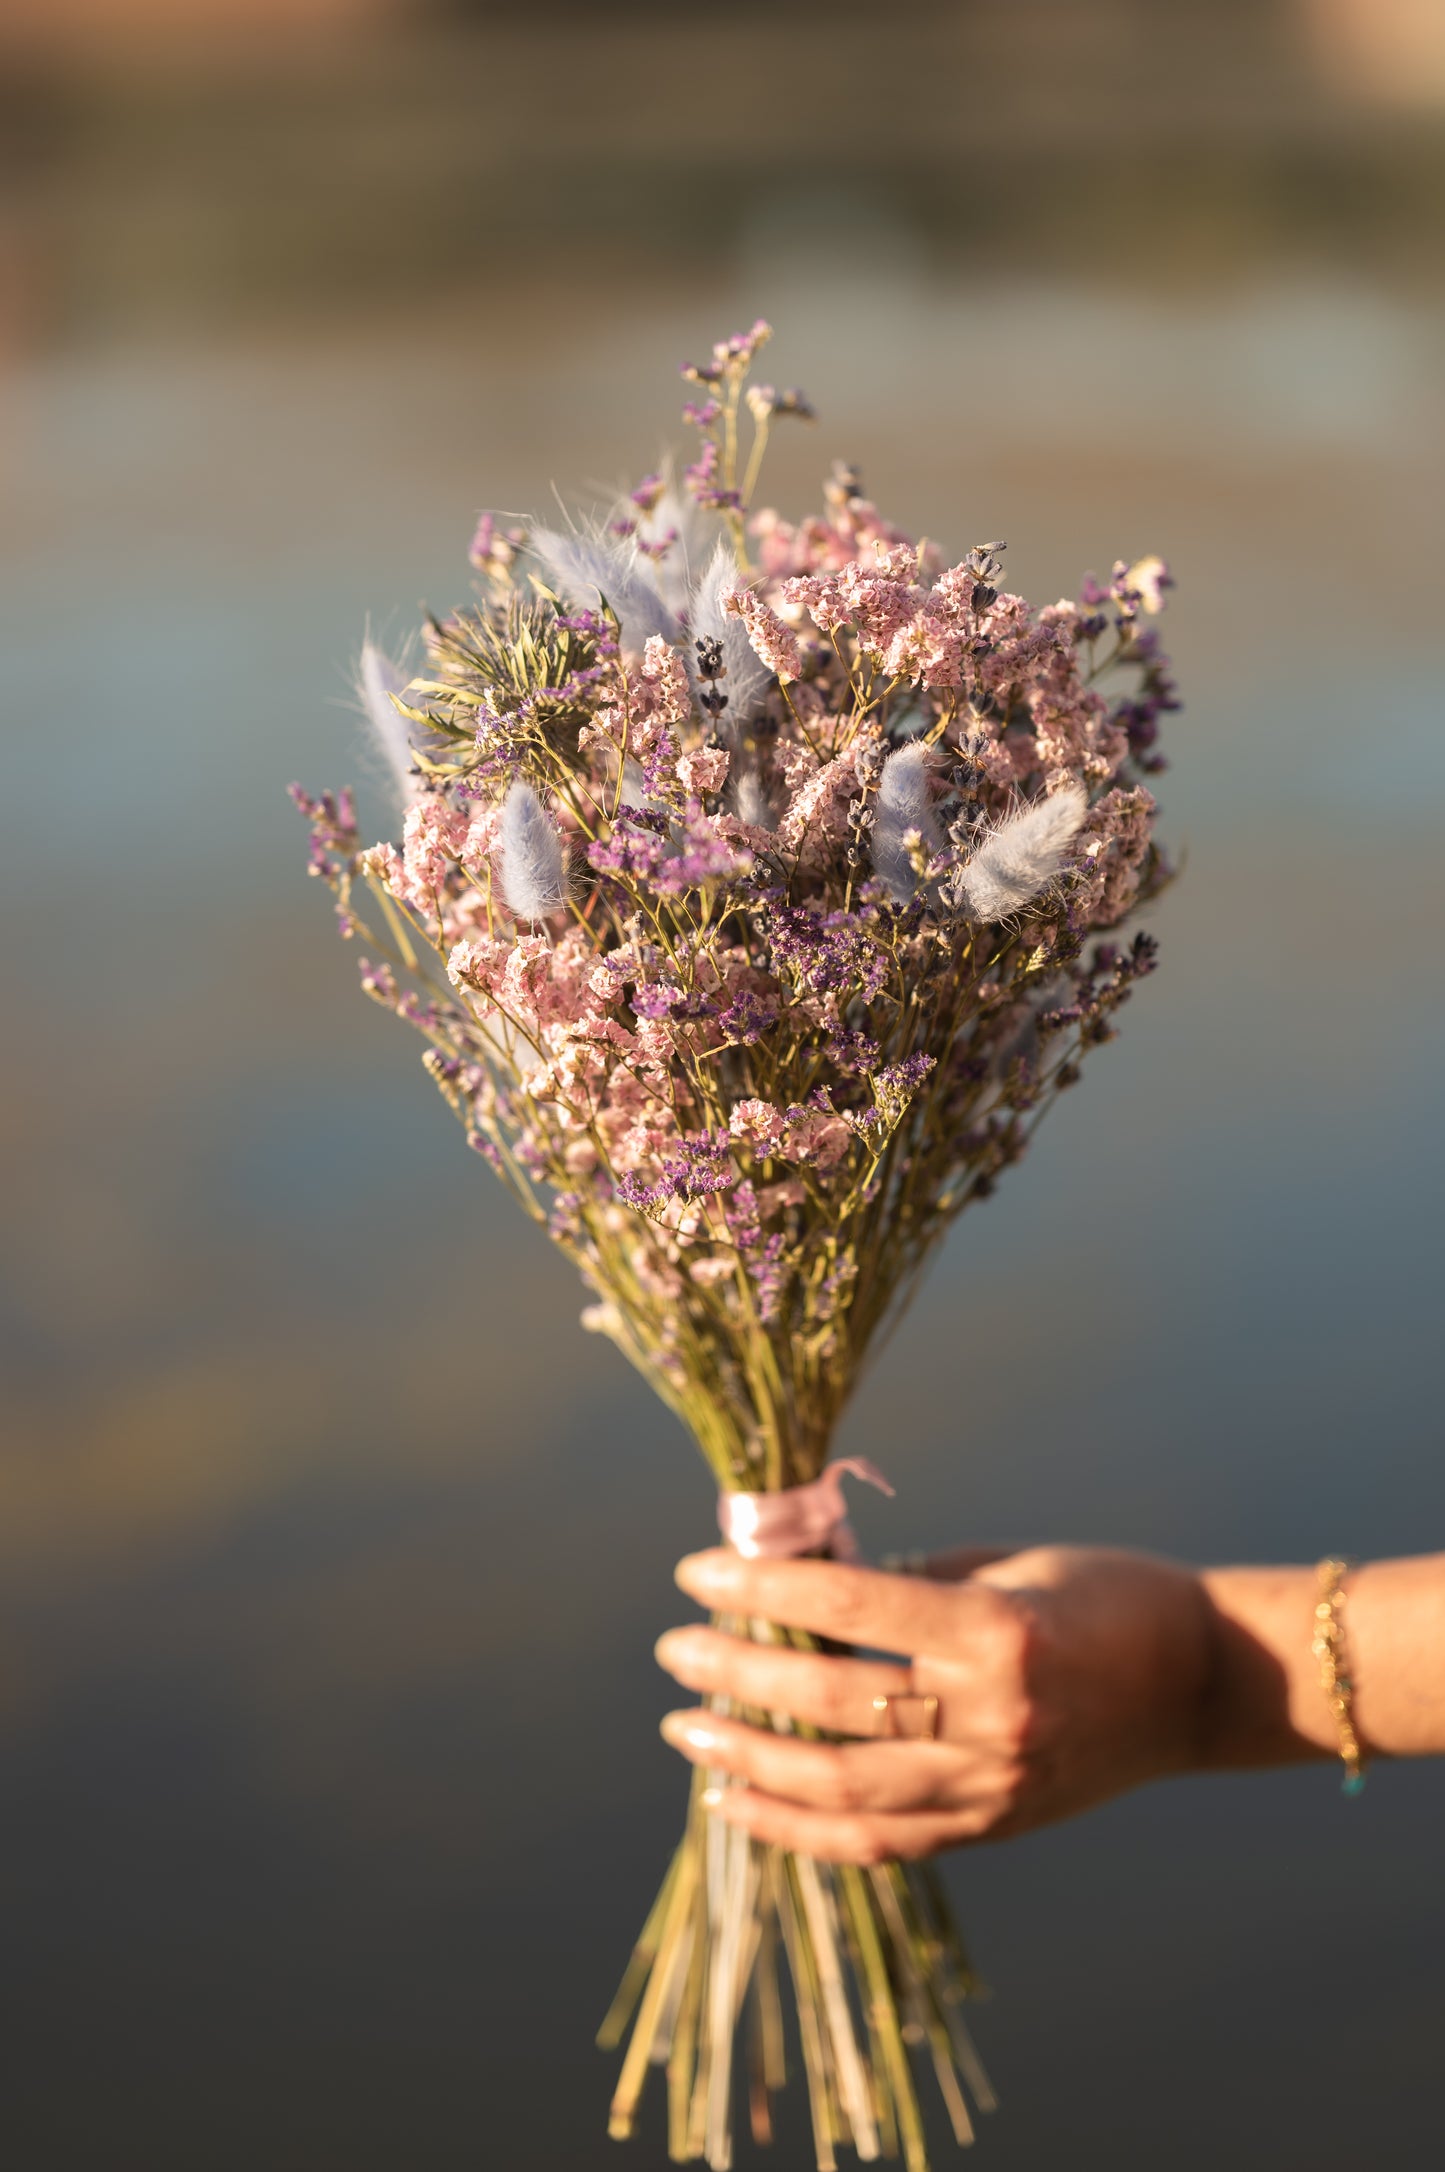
(744,898)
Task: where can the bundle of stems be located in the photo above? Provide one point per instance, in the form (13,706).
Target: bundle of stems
(878,1976)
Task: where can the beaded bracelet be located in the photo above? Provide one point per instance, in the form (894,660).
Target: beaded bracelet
(1335,1679)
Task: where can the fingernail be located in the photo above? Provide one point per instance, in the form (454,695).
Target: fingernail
(710,1797)
(708,1576)
(678,1651)
(682,1729)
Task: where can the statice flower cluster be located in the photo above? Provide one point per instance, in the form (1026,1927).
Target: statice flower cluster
(751,891)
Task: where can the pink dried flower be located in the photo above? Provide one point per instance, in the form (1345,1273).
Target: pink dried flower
(816,1136)
(1116,842)
(775,643)
(757,1120)
(703,771)
(433,838)
(815,823)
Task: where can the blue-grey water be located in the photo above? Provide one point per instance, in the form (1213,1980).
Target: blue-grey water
(331,1551)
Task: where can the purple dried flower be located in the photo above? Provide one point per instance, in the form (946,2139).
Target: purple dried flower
(741,1211)
(747,1018)
(659,762)
(851,1052)
(660,999)
(637,845)
(564,1223)
(700,1165)
(769,1275)
(828,952)
(334,841)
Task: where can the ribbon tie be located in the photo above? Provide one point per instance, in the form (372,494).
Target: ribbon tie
(810,1519)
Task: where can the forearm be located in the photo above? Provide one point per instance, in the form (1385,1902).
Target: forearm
(1265,1703)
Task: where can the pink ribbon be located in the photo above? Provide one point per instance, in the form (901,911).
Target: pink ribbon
(811,1519)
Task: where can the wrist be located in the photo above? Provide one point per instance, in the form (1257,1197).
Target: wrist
(1263,1704)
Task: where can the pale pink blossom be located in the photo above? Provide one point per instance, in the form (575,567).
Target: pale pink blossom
(433,838)
(664,676)
(1150,577)
(818,1137)
(383,863)
(821,597)
(467,965)
(796,763)
(647,714)
(821,544)
(816,820)
(609,977)
(775,643)
(703,771)
(481,838)
(758,1121)
(1114,845)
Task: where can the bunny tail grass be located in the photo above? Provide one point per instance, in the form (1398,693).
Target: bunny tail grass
(1016,863)
(533,860)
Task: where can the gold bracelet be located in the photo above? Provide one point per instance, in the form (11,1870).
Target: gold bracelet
(1335,1679)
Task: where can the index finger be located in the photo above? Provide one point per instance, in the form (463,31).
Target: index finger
(908,1614)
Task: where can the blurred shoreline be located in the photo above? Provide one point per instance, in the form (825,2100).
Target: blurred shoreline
(377,166)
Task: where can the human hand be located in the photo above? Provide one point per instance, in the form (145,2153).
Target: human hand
(1064,1675)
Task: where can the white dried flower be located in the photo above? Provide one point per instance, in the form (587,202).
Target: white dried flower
(584,569)
(393,735)
(693,530)
(747,678)
(1016,862)
(533,870)
(903,821)
(750,802)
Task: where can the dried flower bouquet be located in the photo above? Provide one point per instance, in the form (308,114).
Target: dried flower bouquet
(744,898)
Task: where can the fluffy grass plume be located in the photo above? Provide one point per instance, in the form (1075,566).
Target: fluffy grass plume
(532,858)
(1017,861)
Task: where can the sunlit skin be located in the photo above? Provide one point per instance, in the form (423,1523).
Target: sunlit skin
(1064,1675)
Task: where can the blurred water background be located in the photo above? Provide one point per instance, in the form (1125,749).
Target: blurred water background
(331,1550)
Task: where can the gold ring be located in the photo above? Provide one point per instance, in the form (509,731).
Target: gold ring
(890,1717)
(905,1564)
